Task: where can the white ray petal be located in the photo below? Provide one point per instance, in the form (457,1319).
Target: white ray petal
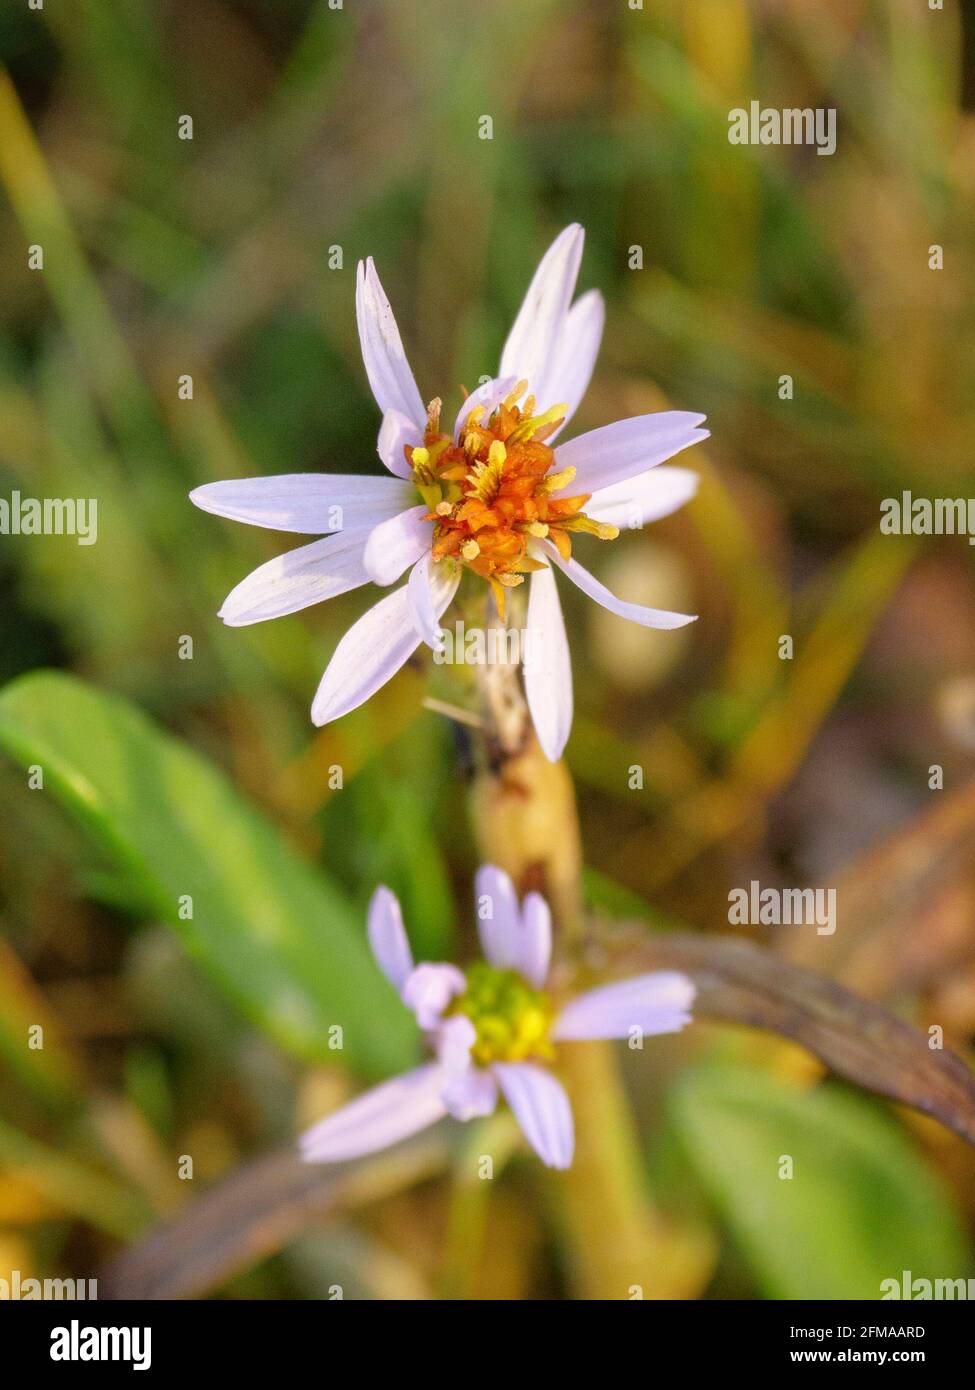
(382,348)
(569,371)
(387,937)
(541,1108)
(540,320)
(658,1002)
(647,497)
(396,433)
(297,579)
(380,1117)
(489,394)
(633,612)
(372,651)
(627,447)
(395,544)
(548,672)
(498,917)
(429,580)
(310,503)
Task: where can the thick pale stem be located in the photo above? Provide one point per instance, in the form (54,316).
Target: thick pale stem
(525,820)
(523,806)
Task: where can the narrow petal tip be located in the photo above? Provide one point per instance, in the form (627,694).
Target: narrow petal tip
(387,937)
(659,1002)
(378,1118)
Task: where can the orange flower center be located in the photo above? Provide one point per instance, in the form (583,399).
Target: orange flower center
(491,493)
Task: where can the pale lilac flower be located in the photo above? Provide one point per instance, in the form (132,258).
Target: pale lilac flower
(490,495)
(492,1030)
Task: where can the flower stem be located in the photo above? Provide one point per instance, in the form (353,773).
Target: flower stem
(525,821)
(523,806)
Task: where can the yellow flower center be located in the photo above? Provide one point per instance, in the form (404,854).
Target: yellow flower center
(512,1019)
(491,492)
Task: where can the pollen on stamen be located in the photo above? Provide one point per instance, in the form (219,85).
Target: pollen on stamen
(491,490)
(556,481)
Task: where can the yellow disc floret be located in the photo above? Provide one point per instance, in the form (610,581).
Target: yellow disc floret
(512,1019)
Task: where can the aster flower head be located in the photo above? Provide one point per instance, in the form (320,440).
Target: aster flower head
(491,494)
(494,1030)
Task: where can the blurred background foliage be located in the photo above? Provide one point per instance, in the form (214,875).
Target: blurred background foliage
(317,128)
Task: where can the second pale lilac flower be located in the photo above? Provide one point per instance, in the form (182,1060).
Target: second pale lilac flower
(493,1030)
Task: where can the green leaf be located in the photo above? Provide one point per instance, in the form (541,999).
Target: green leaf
(278,938)
(861,1205)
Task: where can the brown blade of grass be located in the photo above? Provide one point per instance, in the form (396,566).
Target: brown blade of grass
(745,984)
(254,1213)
